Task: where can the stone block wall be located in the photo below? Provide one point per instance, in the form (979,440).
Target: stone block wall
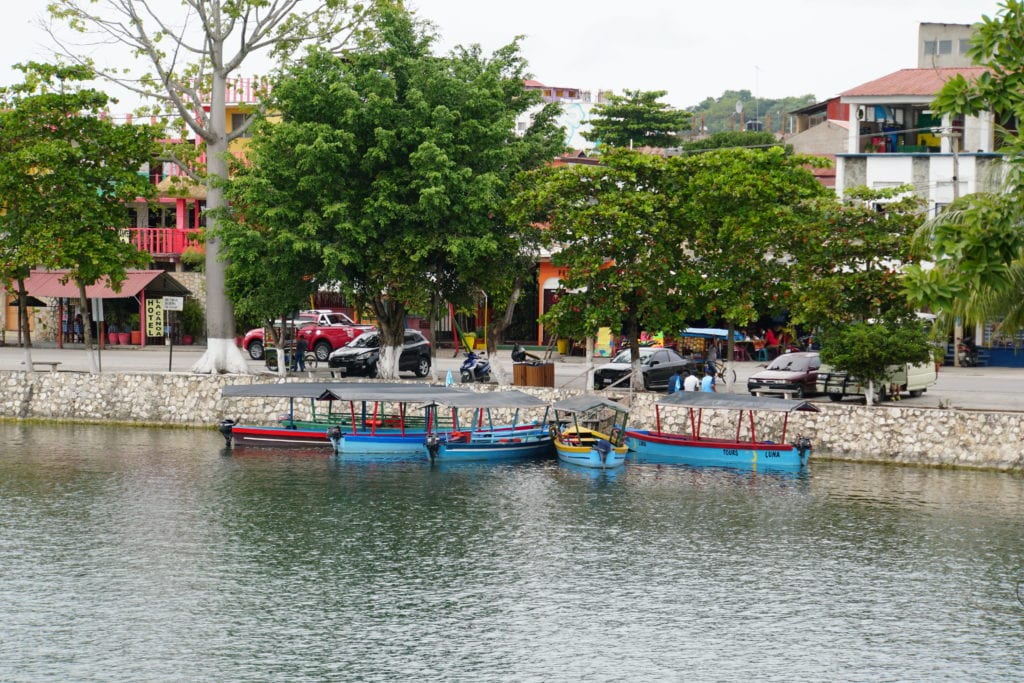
(885,434)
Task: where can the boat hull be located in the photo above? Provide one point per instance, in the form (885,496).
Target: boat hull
(652,447)
(521,447)
(279,437)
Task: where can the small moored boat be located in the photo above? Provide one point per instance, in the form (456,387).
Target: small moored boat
(487,441)
(696,448)
(589,431)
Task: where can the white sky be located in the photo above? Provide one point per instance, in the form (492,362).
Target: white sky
(691,49)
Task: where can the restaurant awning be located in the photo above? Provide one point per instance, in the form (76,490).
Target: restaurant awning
(154,282)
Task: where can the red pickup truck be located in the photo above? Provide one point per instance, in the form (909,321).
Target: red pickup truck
(324,331)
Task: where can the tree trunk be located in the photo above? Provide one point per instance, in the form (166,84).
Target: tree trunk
(633,335)
(590,365)
(222,356)
(23,322)
(496,334)
(391,326)
(83,303)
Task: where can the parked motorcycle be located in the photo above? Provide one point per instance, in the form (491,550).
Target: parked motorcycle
(475,369)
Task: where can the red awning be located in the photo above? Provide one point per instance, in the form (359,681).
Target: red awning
(154,282)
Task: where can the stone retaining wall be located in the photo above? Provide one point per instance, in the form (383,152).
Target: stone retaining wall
(890,433)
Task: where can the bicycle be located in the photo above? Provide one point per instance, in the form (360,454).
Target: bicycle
(722,371)
(309,356)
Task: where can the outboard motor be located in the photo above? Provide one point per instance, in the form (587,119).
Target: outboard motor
(603,447)
(334,436)
(225,428)
(803,448)
(518,354)
(433,443)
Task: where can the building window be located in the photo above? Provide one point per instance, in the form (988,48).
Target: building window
(236,122)
(965,45)
(945,47)
(929,47)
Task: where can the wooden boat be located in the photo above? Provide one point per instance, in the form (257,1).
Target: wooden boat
(286,434)
(579,434)
(365,416)
(489,442)
(381,420)
(695,448)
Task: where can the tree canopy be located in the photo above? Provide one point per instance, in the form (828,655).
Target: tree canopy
(392,165)
(659,242)
(637,119)
(66,175)
(185,67)
(853,255)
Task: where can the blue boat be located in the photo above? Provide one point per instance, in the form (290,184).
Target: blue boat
(486,441)
(696,448)
(589,430)
(377,420)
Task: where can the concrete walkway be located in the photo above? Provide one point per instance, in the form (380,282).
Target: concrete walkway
(982,388)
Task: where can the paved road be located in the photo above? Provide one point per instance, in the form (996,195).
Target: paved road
(985,388)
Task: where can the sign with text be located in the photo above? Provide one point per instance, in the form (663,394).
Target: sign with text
(154,318)
(174,303)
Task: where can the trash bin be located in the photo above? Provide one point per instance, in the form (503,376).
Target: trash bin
(533,374)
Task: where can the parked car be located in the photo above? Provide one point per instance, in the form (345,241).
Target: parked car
(657,365)
(253,342)
(360,356)
(912,379)
(795,372)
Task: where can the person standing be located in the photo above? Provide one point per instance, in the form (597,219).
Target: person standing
(708,383)
(300,354)
(691,383)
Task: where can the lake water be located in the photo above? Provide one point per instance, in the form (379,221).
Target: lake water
(152,554)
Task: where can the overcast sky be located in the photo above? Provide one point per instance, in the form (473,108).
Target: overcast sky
(692,49)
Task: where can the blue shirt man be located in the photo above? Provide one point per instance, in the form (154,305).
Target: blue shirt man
(708,384)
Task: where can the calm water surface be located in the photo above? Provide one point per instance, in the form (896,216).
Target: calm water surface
(141,554)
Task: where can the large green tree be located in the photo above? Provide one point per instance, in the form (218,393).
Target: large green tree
(977,243)
(395,163)
(611,228)
(66,175)
(745,212)
(184,64)
(637,119)
(851,258)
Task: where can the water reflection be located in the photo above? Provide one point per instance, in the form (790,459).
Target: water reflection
(138,554)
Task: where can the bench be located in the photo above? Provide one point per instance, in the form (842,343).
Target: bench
(52,364)
(787,393)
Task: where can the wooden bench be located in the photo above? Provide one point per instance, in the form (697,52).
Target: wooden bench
(52,364)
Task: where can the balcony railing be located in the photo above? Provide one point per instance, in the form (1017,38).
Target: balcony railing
(164,242)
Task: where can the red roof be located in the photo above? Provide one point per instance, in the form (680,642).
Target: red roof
(157,282)
(913,82)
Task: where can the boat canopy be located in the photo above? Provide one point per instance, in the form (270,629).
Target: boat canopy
(584,403)
(315,390)
(511,398)
(343,391)
(702,399)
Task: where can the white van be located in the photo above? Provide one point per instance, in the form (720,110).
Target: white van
(906,378)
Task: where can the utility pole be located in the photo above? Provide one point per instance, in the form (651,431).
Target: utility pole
(954,144)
